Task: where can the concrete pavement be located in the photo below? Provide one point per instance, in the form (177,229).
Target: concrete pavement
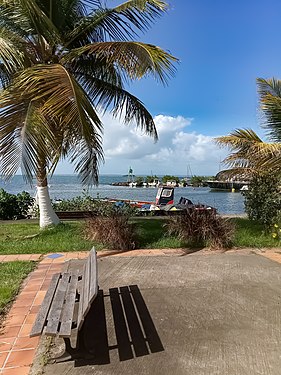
(200,314)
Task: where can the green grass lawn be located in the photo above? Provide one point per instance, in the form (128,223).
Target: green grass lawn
(151,235)
(11,277)
(16,237)
(251,234)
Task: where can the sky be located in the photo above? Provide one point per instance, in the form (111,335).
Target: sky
(222,47)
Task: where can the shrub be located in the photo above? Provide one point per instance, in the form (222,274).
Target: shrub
(111,227)
(263,200)
(14,206)
(8,205)
(80,203)
(114,232)
(95,205)
(201,228)
(25,202)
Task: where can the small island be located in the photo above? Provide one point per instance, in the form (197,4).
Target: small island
(169,180)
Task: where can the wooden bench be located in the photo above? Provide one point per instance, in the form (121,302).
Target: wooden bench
(66,305)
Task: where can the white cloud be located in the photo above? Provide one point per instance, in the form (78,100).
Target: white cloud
(168,124)
(177,147)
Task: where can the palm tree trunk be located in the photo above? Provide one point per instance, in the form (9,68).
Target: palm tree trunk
(47,214)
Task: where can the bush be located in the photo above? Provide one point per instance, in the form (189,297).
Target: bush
(201,228)
(95,205)
(263,200)
(14,206)
(110,226)
(114,232)
(80,203)
(25,202)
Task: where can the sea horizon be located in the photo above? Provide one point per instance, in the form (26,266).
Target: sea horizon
(68,186)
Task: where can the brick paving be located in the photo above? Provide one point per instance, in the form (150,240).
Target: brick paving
(17,349)
(10,258)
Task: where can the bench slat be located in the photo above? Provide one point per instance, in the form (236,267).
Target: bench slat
(56,314)
(57,305)
(45,306)
(86,287)
(68,308)
(93,276)
(80,309)
(89,290)
(86,304)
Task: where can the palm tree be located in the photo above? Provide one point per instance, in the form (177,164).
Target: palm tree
(249,154)
(62,61)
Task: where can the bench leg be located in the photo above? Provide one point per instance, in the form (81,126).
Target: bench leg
(79,352)
(69,353)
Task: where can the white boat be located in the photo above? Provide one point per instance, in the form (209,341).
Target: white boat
(244,188)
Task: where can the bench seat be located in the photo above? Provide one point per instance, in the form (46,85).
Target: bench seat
(66,304)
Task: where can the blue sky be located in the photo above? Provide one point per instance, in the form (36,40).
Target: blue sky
(223,46)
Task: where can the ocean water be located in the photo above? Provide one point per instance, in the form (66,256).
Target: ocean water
(69,186)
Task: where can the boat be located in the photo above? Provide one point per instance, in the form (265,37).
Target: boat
(226,185)
(244,188)
(132,184)
(164,203)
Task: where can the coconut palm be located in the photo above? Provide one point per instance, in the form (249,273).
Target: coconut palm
(62,61)
(249,154)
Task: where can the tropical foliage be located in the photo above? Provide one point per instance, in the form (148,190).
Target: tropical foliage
(249,154)
(96,206)
(167,178)
(259,161)
(262,199)
(150,179)
(200,180)
(62,62)
(14,206)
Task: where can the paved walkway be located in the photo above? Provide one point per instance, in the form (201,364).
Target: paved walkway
(201,314)
(17,349)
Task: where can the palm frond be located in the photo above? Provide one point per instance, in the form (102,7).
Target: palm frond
(22,137)
(270,101)
(59,94)
(237,173)
(34,18)
(13,18)
(87,155)
(65,14)
(109,96)
(239,138)
(116,23)
(248,151)
(269,86)
(135,59)
(11,55)
(62,100)
(5,77)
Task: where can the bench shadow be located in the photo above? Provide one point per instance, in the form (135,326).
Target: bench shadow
(135,332)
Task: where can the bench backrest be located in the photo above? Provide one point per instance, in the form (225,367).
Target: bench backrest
(89,287)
